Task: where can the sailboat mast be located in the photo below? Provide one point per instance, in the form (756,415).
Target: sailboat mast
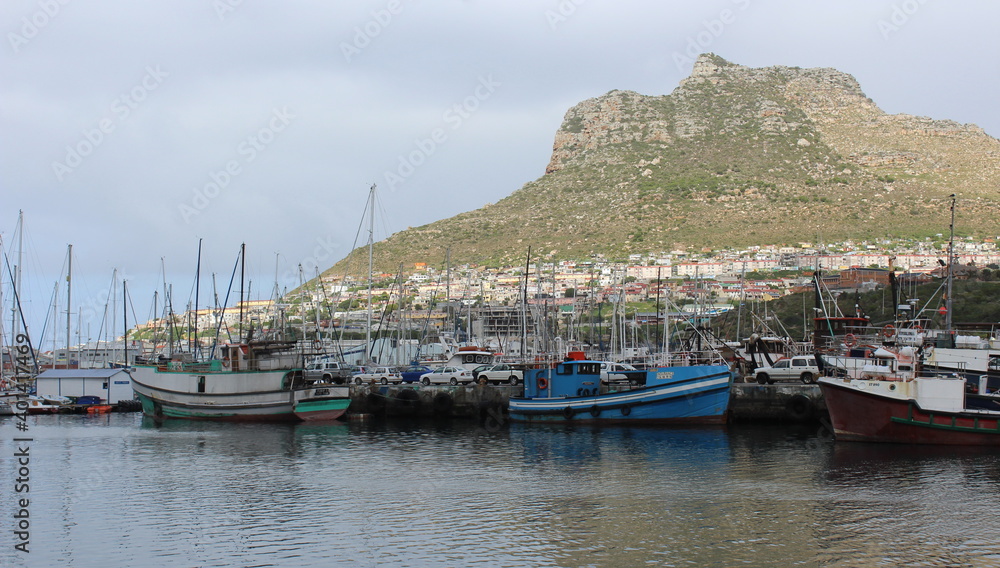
(124,323)
(371,270)
(55,322)
(69,297)
(243,273)
(15,322)
(951,269)
(197,289)
(524,305)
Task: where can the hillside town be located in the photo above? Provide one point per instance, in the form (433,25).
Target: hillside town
(705,281)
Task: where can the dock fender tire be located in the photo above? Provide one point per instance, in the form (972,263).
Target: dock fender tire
(375,402)
(408,397)
(595,411)
(569,413)
(442,403)
(626,410)
(800,407)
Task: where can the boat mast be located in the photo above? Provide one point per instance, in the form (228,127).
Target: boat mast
(449,321)
(524,305)
(243,273)
(69,296)
(371,270)
(951,269)
(197,289)
(124,325)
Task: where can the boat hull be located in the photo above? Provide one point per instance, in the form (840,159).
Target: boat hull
(870,416)
(321,409)
(702,398)
(263,396)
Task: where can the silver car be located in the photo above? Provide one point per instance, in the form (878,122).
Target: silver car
(446,376)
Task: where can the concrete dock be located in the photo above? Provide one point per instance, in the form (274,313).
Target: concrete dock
(749,402)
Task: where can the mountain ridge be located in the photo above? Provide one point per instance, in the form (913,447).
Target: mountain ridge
(733,156)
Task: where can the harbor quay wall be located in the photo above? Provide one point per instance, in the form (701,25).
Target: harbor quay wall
(776,403)
(443,401)
(747,403)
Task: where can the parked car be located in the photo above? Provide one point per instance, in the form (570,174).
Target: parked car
(621,373)
(479,369)
(412,373)
(501,373)
(801,367)
(383,375)
(446,375)
(328,371)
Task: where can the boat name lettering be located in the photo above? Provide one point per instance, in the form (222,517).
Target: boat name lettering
(121,382)
(665,375)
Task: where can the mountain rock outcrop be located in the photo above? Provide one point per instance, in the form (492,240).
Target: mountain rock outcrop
(734,156)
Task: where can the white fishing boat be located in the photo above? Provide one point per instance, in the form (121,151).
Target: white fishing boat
(248,382)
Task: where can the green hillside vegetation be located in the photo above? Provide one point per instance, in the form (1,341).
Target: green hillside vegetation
(734,156)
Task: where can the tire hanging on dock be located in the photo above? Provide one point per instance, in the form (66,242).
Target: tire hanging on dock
(443,403)
(800,408)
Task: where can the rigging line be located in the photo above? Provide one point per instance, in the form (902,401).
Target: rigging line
(17,301)
(128,300)
(104,316)
(222,316)
(45,324)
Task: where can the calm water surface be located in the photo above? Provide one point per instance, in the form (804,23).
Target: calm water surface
(119,490)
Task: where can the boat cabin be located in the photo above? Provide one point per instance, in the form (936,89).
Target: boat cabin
(569,378)
(470,357)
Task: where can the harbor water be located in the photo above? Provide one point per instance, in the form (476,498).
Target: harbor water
(120,490)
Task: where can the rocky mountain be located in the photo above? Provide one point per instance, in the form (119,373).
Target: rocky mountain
(734,156)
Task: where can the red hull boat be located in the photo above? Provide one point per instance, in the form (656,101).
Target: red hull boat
(922,410)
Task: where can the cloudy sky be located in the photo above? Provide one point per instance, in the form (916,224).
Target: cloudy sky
(133,129)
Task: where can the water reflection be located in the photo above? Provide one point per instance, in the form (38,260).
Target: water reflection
(119,490)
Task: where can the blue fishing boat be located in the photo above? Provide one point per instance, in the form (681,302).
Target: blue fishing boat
(571,391)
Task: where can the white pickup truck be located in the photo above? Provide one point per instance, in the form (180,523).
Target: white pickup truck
(801,367)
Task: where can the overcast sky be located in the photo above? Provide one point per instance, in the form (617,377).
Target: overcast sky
(132,129)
